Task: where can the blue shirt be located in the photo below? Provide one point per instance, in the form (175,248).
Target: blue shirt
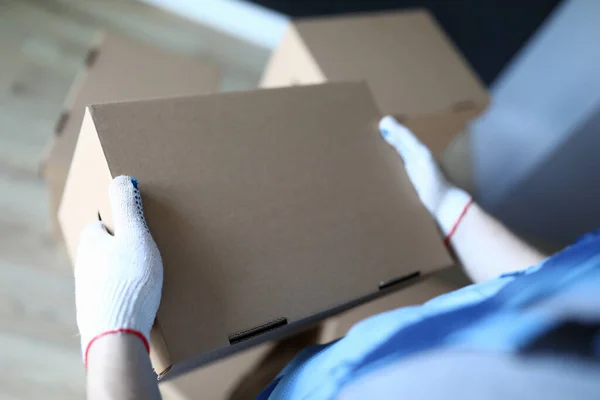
(548,312)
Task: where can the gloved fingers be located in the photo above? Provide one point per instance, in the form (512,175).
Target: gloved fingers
(126,204)
(387,128)
(91,236)
(93,232)
(402,139)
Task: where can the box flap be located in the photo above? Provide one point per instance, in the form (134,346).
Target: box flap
(410,64)
(267,205)
(121,69)
(86,190)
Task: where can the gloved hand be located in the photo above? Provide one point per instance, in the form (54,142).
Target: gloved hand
(446,203)
(118,279)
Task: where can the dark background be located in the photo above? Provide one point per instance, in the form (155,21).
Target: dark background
(488,32)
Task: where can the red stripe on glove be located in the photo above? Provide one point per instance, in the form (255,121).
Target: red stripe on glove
(460,217)
(121,330)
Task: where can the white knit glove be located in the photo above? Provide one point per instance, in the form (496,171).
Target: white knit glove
(118,279)
(446,203)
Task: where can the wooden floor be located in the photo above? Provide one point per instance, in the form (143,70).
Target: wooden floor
(42,47)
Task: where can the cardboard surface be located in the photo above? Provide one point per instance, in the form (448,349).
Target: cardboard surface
(265,205)
(83,202)
(410,64)
(249,372)
(120,69)
(445,281)
(217,380)
(438,130)
(291,64)
(242,376)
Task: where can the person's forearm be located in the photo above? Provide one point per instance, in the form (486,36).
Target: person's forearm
(487,249)
(119,368)
(118,285)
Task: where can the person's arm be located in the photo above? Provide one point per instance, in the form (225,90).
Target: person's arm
(487,249)
(118,284)
(119,368)
(484,246)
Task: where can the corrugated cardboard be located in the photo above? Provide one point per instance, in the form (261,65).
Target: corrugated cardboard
(242,376)
(218,380)
(120,69)
(436,285)
(270,207)
(410,64)
(438,130)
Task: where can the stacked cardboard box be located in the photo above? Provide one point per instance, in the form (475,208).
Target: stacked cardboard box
(119,69)
(411,66)
(275,209)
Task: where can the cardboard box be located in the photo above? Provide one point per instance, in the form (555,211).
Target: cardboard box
(440,129)
(218,380)
(242,376)
(246,374)
(410,64)
(119,69)
(272,209)
(443,282)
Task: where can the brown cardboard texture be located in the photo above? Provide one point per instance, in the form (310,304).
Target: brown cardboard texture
(438,284)
(410,64)
(438,130)
(241,376)
(270,208)
(215,381)
(120,69)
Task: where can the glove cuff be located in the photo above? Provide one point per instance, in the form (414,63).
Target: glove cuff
(452,209)
(112,332)
(120,308)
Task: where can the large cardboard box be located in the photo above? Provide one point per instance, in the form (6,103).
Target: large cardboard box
(272,209)
(410,64)
(118,69)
